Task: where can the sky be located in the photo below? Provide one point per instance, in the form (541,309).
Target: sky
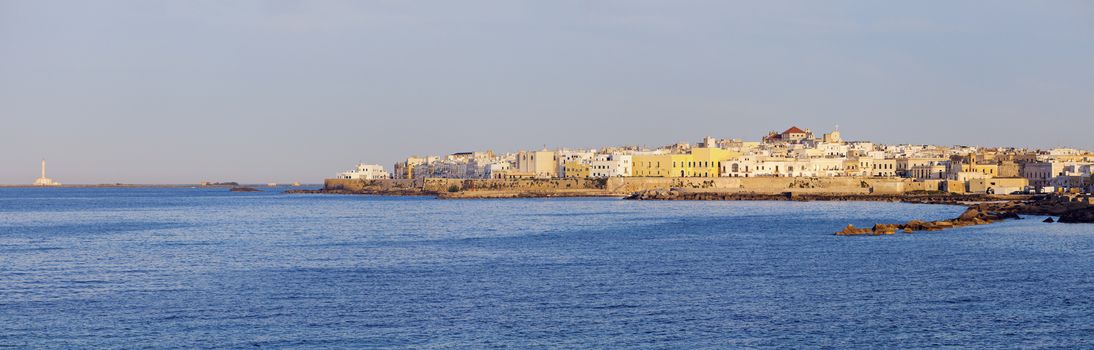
(280,91)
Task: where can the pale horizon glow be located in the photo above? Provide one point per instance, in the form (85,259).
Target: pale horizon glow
(165,92)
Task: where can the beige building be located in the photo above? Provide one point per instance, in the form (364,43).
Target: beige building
(997,185)
(936,171)
(882,168)
(1040,174)
(540,164)
(905,166)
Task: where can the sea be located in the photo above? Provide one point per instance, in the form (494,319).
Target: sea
(208,268)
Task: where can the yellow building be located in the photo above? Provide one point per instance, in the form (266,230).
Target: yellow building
(576,170)
(701,162)
(705,161)
(986,169)
(659,165)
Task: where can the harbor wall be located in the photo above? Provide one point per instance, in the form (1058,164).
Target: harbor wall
(627,185)
(381,185)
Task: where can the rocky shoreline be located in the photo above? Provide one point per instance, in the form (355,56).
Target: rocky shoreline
(982,209)
(1068,210)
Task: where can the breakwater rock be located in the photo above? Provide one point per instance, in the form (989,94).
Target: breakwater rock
(1078,216)
(1069,210)
(979,214)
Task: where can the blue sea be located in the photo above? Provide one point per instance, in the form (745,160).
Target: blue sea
(208,268)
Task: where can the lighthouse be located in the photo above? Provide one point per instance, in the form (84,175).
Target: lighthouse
(45,181)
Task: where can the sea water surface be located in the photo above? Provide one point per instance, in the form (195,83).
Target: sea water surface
(187,268)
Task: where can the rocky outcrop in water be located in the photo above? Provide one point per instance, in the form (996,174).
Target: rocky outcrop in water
(1078,216)
(986,213)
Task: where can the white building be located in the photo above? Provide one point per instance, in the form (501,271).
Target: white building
(753,166)
(832,149)
(365,172)
(1040,174)
(498,169)
(611,165)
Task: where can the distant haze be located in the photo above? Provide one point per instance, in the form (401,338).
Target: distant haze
(281,91)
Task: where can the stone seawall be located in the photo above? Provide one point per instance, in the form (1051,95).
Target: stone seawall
(622,186)
(447,185)
(772,185)
(384,186)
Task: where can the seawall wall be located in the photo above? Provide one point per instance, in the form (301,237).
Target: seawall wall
(628,185)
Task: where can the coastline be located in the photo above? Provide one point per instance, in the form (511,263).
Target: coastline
(981,208)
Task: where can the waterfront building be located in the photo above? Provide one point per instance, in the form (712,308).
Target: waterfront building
(660,165)
(997,185)
(869,166)
(539,164)
(935,170)
(851,167)
(825,167)
(965,166)
(705,161)
(365,172)
(576,170)
(907,166)
(497,170)
(566,156)
(700,162)
(882,168)
(43,180)
(405,169)
(611,165)
(764,166)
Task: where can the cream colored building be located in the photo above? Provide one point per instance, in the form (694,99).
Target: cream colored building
(997,185)
(905,166)
(931,171)
(882,168)
(540,164)
(497,170)
(762,166)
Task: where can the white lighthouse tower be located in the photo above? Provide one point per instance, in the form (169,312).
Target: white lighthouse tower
(45,181)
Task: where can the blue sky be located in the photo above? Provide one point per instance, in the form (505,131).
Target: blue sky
(261,91)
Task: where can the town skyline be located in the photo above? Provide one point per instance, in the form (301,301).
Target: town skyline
(792,153)
(252,179)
